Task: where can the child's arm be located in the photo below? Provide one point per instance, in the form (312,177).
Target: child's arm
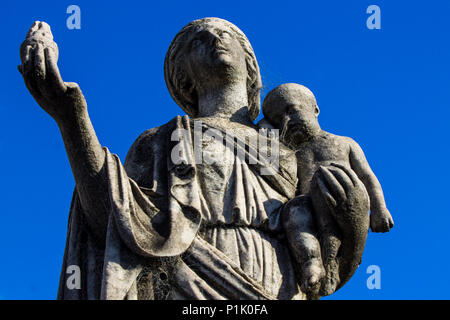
(381,220)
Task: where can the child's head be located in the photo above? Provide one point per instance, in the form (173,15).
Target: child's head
(292,108)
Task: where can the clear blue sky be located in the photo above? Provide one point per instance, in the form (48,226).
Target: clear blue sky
(387,89)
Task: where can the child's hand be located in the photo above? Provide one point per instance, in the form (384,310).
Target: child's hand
(381,220)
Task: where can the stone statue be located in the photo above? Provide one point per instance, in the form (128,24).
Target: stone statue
(161,226)
(292,108)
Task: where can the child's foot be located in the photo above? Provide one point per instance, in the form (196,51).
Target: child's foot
(331,280)
(381,220)
(312,274)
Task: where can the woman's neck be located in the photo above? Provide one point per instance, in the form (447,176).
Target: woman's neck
(228,102)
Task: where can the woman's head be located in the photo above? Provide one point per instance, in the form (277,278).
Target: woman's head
(209,50)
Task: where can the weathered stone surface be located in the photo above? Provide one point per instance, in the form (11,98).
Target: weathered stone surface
(173,222)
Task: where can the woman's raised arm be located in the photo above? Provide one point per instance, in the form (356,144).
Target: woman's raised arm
(65,103)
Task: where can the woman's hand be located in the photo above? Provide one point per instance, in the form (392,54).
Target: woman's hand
(337,190)
(39,56)
(344,194)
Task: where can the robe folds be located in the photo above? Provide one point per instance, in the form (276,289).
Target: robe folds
(184,230)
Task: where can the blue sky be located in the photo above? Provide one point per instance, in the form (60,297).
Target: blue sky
(387,89)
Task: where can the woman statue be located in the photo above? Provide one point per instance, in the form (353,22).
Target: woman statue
(172,222)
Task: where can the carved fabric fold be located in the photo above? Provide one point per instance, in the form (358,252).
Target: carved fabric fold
(156,211)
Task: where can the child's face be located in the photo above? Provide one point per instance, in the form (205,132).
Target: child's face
(298,121)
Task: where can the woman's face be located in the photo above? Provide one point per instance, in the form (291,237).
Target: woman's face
(215,54)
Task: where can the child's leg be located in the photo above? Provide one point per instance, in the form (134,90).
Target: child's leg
(301,234)
(330,243)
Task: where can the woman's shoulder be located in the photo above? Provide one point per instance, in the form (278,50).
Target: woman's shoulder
(148,148)
(153,137)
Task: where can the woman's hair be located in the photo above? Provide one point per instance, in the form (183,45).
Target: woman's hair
(182,88)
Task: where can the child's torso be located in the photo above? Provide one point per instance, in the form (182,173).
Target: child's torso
(322,150)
